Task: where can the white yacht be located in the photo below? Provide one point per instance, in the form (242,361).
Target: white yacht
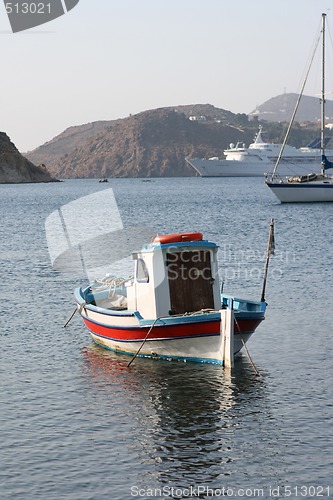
(259,159)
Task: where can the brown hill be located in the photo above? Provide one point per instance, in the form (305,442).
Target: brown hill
(150,144)
(156,142)
(15,168)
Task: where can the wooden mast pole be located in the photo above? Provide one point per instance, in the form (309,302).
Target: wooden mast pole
(270,250)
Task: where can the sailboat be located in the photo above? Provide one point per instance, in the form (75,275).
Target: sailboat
(314,187)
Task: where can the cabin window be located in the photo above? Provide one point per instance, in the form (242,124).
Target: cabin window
(142,275)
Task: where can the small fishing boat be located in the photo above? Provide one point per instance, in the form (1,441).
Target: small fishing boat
(313,187)
(171,307)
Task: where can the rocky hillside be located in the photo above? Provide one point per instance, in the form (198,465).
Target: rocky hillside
(15,168)
(155,143)
(150,144)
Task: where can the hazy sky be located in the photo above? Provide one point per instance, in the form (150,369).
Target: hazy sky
(106,59)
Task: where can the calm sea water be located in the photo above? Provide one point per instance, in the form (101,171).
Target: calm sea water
(77,423)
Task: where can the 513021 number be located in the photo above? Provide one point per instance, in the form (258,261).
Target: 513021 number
(28,8)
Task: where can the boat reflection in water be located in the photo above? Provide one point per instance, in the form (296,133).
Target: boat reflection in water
(187,421)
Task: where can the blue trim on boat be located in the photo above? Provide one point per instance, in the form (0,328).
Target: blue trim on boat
(249,314)
(153,247)
(168,321)
(189,320)
(240,304)
(113,312)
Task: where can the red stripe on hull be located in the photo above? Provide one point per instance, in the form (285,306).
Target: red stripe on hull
(159,332)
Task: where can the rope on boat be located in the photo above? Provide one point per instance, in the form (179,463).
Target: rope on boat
(71,316)
(200,311)
(112,284)
(78,308)
(143,342)
(246,349)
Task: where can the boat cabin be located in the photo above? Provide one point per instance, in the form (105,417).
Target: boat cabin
(174,274)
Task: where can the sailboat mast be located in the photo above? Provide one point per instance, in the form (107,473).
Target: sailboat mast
(322,128)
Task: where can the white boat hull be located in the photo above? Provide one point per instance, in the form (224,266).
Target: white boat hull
(206,349)
(311,192)
(232,168)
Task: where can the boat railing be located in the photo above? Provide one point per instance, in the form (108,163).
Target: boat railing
(241,304)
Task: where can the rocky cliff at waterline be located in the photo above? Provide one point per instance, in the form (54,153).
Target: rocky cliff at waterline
(15,168)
